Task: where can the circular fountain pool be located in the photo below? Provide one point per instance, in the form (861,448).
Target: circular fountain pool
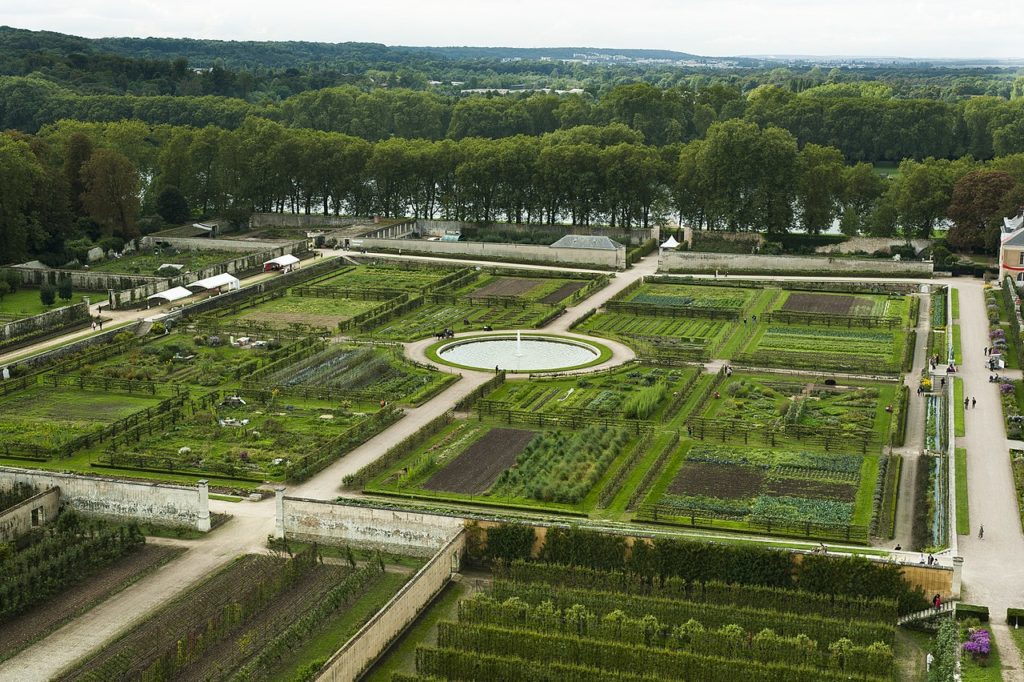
(519,354)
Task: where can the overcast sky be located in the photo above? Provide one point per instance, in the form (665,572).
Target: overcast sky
(909,28)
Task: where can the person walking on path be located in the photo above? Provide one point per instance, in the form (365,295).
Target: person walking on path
(981,532)
(974,402)
(967,403)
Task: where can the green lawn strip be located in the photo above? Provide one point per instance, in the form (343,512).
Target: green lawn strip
(864,505)
(225,498)
(1011,354)
(956,304)
(672,467)
(958,414)
(679,421)
(958,355)
(617,507)
(963,518)
(401,656)
(26,302)
(333,633)
(973,671)
(911,652)
(1018,639)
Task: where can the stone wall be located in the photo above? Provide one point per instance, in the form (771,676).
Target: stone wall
(51,320)
(437,228)
(391,621)
(17,520)
(83,280)
(207,244)
(169,505)
(529,253)
(872,244)
(399,532)
(730,263)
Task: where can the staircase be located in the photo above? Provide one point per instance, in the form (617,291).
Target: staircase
(143,328)
(927,615)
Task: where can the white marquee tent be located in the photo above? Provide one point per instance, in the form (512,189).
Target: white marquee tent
(169,296)
(216,282)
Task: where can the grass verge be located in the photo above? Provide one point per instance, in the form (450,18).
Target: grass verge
(963,517)
(401,656)
(958,404)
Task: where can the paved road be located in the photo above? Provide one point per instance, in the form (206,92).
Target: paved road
(994,566)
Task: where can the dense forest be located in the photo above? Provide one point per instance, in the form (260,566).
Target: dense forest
(109,139)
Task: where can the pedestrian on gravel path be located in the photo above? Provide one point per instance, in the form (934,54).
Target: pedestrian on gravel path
(981,532)
(967,403)
(974,402)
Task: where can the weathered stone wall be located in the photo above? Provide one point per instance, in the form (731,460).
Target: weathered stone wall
(872,244)
(437,228)
(693,262)
(84,280)
(51,320)
(401,532)
(362,650)
(17,520)
(169,505)
(501,251)
(206,244)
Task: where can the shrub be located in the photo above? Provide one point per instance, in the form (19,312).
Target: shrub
(158,329)
(47,294)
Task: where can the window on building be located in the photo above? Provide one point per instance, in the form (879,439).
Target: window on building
(38,517)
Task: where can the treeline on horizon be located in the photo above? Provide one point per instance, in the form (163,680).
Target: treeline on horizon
(75,184)
(106,146)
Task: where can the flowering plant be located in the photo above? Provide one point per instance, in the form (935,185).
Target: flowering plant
(977,644)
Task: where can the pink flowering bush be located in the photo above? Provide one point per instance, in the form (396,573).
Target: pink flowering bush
(1006,389)
(978,644)
(996,333)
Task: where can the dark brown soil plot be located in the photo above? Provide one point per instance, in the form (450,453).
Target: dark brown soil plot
(506,286)
(828,304)
(564,291)
(725,481)
(476,469)
(48,616)
(794,487)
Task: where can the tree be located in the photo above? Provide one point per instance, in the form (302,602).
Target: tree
(820,187)
(64,289)
(172,206)
(77,150)
(47,294)
(5,289)
(112,193)
(20,174)
(975,209)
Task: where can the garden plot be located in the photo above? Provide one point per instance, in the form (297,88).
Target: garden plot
(384,277)
(201,360)
(241,437)
(41,419)
(243,621)
(832,304)
(696,336)
(432,318)
(554,622)
(26,303)
(798,408)
(148,263)
(509,466)
(693,296)
(322,313)
(546,290)
(635,392)
(712,483)
(359,371)
(475,469)
(872,351)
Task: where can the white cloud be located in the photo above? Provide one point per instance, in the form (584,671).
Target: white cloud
(937,28)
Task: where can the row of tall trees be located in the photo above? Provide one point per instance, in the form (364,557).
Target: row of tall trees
(864,123)
(79,181)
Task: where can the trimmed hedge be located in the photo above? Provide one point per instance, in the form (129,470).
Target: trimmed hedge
(965,611)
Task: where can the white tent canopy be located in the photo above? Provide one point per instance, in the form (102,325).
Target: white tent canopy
(670,243)
(171,295)
(281,261)
(215,282)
